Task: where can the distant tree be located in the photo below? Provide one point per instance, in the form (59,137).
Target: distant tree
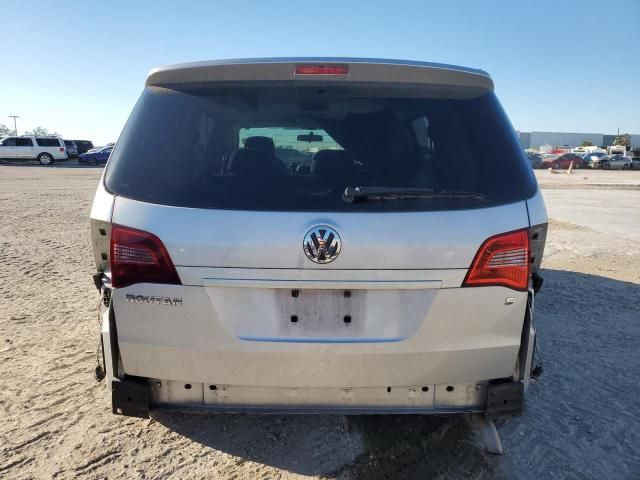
(586,143)
(624,139)
(40,131)
(5,131)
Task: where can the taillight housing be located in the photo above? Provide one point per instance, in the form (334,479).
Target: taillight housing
(502,260)
(136,256)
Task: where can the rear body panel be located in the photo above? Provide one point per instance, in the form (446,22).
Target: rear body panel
(410,322)
(423,337)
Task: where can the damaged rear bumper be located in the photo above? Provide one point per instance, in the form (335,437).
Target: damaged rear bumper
(137,397)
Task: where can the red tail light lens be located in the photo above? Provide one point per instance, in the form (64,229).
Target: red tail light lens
(62,149)
(501,260)
(322,70)
(139,257)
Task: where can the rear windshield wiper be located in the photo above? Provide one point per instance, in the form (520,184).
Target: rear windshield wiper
(352,194)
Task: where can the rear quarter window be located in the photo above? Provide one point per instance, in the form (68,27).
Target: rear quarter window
(48,142)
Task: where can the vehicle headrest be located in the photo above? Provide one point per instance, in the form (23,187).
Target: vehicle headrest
(248,162)
(333,163)
(263,144)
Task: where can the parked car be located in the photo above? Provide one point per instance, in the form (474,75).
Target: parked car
(376,282)
(635,163)
(45,150)
(72,149)
(589,157)
(564,161)
(83,145)
(628,162)
(96,156)
(536,160)
(615,162)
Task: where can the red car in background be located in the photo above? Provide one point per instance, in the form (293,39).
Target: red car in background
(563,161)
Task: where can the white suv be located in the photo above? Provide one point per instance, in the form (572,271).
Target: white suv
(318,235)
(45,149)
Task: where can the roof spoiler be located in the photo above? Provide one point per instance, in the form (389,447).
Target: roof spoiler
(338,70)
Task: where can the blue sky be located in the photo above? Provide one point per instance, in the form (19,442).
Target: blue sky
(78,67)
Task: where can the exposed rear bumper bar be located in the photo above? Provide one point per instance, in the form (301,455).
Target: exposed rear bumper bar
(137,397)
(278,410)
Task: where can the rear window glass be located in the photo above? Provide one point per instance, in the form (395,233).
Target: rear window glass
(48,142)
(298,150)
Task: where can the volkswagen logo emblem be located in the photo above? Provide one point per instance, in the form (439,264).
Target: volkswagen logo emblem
(322,244)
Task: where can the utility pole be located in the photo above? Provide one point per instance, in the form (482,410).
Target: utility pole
(15,126)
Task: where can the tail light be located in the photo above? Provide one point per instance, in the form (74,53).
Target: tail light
(139,257)
(322,70)
(62,149)
(502,260)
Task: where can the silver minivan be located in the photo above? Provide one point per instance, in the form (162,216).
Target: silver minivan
(318,235)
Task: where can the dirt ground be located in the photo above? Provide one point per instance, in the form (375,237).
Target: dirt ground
(55,420)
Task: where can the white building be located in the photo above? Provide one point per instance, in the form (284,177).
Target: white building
(560,139)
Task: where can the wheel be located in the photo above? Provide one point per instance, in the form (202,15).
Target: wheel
(606,166)
(625,166)
(577,166)
(91,161)
(45,159)
(555,165)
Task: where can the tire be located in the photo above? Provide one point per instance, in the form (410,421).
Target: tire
(555,165)
(625,166)
(91,161)
(606,166)
(45,159)
(577,166)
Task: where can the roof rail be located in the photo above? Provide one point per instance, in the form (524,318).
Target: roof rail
(42,136)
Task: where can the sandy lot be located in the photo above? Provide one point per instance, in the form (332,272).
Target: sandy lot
(55,420)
